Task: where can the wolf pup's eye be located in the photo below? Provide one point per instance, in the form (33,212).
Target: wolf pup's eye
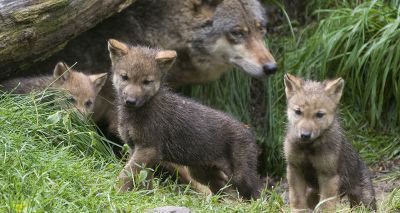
(298,112)
(147,82)
(124,77)
(71,100)
(88,103)
(319,114)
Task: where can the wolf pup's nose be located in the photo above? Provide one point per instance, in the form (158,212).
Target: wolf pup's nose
(270,68)
(305,136)
(130,102)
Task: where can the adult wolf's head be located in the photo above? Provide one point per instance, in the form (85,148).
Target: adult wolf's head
(233,34)
(311,106)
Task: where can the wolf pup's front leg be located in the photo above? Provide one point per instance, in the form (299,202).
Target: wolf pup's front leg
(297,189)
(329,188)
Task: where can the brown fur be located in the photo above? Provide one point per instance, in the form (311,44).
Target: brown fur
(82,88)
(321,164)
(210,37)
(165,127)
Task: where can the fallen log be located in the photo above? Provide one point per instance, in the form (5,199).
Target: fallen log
(32,30)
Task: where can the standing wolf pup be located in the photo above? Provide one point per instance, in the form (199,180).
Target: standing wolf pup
(317,153)
(165,127)
(82,88)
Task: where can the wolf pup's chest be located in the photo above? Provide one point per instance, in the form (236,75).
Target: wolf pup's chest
(129,131)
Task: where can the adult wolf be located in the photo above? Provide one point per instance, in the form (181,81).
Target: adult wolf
(210,37)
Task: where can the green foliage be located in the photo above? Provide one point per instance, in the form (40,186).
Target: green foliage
(49,163)
(44,115)
(362,45)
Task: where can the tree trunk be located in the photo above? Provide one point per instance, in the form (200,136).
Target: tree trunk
(33,30)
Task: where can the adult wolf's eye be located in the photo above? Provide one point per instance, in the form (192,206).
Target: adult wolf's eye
(147,82)
(124,77)
(237,33)
(71,100)
(298,112)
(319,114)
(88,103)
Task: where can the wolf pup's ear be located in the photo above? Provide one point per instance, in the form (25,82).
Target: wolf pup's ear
(61,71)
(98,80)
(292,84)
(334,88)
(117,49)
(165,59)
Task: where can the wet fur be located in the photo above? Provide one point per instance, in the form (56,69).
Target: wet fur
(166,127)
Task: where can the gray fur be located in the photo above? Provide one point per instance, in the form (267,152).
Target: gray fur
(26,85)
(191,27)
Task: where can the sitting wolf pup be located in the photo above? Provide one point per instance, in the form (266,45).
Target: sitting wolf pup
(82,88)
(321,164)
(165,127)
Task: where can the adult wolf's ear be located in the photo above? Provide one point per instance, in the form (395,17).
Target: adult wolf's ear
(165,59)
(292,84)
(334,88)
(61,72)
(206,8)
(98,80)
(117,49)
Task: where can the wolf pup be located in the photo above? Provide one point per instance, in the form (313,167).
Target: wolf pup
(165,127)
(321,164)
(82,88)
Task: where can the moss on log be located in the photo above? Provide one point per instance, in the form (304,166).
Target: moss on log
(33,30)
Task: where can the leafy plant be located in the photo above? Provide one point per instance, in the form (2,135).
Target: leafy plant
(362,45)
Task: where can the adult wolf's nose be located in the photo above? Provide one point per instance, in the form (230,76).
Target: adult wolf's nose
(270,68)
(131,102)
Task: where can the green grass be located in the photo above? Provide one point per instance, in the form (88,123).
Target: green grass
(53,160)
(362,45)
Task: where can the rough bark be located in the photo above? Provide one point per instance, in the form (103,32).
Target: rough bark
(33,30)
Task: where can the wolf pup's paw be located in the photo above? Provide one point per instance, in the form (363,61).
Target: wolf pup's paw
(124,182)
